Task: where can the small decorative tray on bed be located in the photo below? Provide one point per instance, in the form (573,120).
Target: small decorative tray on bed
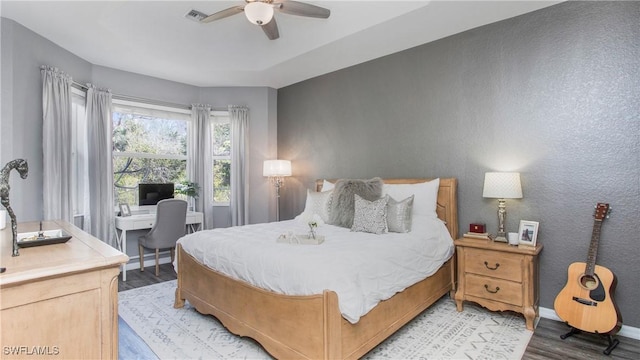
(46,237)
(300,239)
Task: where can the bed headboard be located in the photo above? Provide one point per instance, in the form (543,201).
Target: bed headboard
(447,207)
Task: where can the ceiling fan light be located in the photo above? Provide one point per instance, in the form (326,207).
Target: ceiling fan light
(258,12)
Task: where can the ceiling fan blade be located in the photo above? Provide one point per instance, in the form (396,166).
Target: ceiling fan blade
(302,9)
(223,14)
(271,29)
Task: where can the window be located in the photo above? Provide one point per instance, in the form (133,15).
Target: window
(79,159)
(149,146)
(221,135)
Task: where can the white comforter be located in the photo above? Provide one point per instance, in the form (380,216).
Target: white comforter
(362,268)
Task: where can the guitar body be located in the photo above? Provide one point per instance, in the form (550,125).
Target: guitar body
(586,302)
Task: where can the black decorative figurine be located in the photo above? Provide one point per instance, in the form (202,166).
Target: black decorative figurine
(23,168)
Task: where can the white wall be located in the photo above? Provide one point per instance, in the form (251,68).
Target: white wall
(23,52)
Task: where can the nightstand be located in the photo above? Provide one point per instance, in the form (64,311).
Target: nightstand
(498,276)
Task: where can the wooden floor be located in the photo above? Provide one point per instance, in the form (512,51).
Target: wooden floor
(545,343)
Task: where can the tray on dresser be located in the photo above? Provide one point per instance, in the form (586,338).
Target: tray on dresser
(39,238)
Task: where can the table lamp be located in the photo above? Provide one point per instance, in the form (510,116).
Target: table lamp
(501,186)
(276,170)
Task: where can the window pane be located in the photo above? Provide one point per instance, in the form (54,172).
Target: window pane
(222,139)
(145,134)
(221,181)
(128,172)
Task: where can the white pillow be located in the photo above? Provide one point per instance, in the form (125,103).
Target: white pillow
(327,186)
(426,196)
(318,203)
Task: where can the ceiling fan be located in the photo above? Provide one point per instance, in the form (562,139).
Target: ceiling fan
(260,12)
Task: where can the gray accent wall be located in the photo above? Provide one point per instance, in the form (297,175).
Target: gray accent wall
(553,94)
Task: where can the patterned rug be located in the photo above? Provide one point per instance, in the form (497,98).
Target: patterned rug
(440,332)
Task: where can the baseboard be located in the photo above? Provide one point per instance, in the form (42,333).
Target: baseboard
(626,331)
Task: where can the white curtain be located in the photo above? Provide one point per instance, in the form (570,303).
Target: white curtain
(56,144)
(99,136)
(200,161)
(239,118)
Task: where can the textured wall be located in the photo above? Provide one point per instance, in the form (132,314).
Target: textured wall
(553,94)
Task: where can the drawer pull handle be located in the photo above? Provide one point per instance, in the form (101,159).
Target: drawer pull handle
(486,264)
(486,287)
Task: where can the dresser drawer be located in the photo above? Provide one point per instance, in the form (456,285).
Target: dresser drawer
(494,289)
(494,264)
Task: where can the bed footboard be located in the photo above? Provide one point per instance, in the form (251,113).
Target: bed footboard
(301,327)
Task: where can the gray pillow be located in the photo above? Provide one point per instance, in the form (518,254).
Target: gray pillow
(342,203)
(370,216)
(399,214)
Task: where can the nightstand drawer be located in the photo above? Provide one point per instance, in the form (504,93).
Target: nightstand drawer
(494,264)
(494,289)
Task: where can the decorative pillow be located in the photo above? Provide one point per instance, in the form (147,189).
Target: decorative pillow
(342,203)
(370,216)
(327,186)
(318,203)
(426,196)
(399,215)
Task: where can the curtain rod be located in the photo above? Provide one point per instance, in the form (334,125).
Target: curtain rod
(149,101)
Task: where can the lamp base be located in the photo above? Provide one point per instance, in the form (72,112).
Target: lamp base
(500,238)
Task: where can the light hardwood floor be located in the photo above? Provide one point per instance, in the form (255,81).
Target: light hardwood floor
(545,343)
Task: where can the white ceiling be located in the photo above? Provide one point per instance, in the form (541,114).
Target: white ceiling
(154,38)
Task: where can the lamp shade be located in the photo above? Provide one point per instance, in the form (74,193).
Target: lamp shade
(276,168)
(258,12)
(502,185)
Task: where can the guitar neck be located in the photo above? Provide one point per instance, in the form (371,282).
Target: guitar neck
(593,247)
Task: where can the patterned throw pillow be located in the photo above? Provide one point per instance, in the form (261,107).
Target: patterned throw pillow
(370,216)
(399,214)
(318,203)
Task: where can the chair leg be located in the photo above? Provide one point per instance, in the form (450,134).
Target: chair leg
(141,253)
(157,260)
(173,254)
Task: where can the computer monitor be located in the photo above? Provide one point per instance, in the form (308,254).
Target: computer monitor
(150,194)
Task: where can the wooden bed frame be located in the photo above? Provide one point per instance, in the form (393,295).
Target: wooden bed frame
(312,327)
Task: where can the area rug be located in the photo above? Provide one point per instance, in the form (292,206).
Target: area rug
(440,332)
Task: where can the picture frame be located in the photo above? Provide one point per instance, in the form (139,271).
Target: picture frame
(124,210)
(528,233)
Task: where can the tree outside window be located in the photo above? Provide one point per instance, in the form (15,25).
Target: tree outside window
(222,162)
(147,149)
(151,147)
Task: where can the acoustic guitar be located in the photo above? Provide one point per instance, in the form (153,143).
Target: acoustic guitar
(586,301)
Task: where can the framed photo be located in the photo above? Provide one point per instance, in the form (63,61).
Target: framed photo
(124,210)
(528,233)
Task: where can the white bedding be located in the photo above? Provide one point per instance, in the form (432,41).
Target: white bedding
(362,268)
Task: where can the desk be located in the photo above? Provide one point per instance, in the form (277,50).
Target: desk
(146,221)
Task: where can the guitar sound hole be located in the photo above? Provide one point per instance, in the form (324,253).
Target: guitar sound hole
(588,282)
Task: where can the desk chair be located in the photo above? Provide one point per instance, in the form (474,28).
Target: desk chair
(170,225)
